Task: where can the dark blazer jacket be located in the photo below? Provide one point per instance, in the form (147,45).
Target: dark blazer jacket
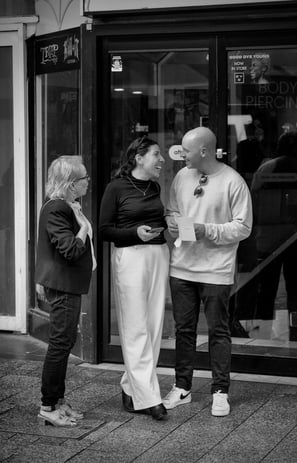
(63,262)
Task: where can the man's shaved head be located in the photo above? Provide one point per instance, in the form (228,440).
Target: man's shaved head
(201,137)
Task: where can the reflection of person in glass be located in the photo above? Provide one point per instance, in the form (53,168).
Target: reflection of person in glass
(275,192)
(250,152)
(176,114)
(259,68)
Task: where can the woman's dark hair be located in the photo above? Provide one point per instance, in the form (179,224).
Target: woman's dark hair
(138,146)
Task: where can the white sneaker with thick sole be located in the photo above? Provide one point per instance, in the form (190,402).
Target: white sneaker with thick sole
(177,396)
(220,404)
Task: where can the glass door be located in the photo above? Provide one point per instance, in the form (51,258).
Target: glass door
(162,93)
(13,226)
(262,145)
(7,281)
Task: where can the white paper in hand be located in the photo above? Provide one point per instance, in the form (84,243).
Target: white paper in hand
(186,228)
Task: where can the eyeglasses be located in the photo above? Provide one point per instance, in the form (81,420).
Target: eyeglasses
(199,189)
(86,177)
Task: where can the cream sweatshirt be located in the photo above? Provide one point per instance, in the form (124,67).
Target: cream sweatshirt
(225,208)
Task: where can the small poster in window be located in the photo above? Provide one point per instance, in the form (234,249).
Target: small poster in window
(250,67)
(116,64)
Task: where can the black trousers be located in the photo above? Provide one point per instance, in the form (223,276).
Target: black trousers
(186,297)
(64,317)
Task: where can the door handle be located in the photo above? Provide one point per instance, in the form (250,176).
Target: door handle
(220,153)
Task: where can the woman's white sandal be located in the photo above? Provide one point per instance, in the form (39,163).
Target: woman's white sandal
(69,411)
(56,418)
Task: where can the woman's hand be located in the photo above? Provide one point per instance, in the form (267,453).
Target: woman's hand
(81,219)
(144,233)
(83,223)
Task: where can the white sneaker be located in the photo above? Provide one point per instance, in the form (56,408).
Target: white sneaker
(177,396)
(220,404)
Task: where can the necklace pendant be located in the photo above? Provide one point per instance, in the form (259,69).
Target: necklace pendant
(138,189)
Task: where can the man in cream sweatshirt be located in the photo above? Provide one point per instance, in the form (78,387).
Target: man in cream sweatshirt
(217,198)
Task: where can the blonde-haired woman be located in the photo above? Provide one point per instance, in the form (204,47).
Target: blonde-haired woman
(65,260)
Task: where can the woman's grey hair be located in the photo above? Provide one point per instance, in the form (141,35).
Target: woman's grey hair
(61,174)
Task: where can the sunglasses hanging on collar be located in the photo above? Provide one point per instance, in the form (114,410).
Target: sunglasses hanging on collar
(199,190)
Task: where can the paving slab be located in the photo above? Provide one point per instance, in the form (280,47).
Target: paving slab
(42,454)
(258,435)
(285,451)
(24,421)
(19,367)
(123,444)
(15,444)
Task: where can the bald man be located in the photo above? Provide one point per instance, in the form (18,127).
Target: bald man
(218,200)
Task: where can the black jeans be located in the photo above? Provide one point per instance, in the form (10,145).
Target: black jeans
(186,297)
(64,317)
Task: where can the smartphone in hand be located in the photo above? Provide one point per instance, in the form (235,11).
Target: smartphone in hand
(156,230)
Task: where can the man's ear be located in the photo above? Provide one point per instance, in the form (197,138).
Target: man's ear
(203,152)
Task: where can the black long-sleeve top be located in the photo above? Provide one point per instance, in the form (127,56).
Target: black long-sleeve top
(124,208)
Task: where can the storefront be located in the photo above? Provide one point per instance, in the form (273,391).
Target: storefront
(163,71)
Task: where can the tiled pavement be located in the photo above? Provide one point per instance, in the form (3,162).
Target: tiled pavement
(262,426)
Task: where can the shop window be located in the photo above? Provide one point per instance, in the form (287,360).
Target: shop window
(57,125)
(262,107)
(60,115)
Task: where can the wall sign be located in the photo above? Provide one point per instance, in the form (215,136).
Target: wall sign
(58,52)
(101,6)
(175,152)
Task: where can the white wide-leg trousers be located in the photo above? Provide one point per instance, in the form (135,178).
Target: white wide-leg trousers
(140,276)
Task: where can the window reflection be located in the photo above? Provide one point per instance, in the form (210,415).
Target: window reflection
(262,110)
(60,113)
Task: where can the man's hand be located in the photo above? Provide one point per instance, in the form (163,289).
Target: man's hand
(199,230)
(172,227)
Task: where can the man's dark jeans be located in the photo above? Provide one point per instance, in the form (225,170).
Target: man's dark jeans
(186,297)
(64,317)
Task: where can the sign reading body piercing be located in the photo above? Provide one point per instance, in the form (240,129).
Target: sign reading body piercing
(175,152)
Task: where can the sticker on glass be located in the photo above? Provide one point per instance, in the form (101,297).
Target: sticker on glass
(116,64)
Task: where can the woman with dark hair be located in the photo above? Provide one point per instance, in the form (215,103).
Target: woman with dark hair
(132,217)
